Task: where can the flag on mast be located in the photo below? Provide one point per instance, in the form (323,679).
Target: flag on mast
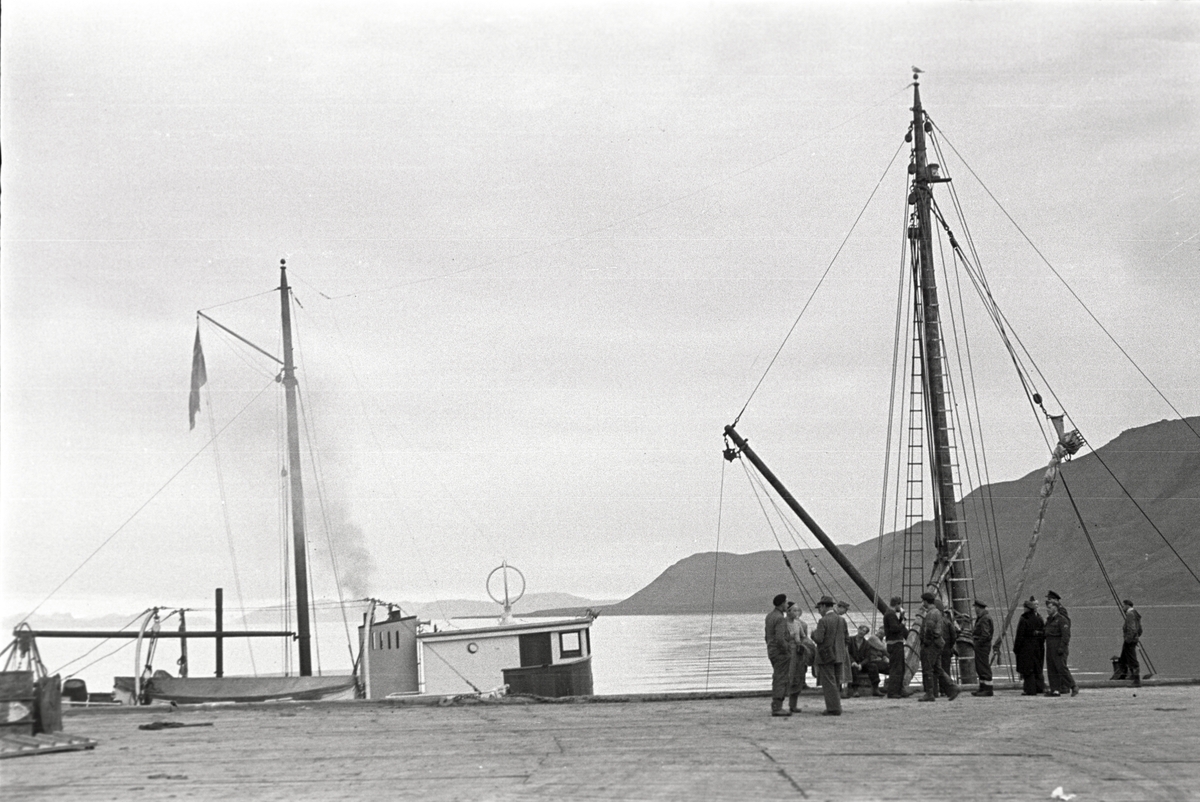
(199,378)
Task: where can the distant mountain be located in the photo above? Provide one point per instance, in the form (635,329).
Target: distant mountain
(1158,464)
(533,604)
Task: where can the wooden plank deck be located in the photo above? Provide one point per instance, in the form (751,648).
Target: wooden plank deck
(1106,744)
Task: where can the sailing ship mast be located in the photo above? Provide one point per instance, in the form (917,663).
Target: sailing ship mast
(950,537)
(299,547)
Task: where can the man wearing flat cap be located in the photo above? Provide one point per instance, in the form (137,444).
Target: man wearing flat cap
(779,653)
(981,635)
(829,635)
(933,640)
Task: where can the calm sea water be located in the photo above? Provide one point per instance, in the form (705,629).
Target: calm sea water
(659,653)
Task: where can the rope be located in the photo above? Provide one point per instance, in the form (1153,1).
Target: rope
(136,618)
(319,483)
(1103,572)
(624,220)
(887,443)
(1145,515)
(237,578)
(712,607)
(774,534)
(818,285)
(136,512)
(1074,295)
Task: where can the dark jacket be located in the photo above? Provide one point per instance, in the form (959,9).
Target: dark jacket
(776,633)
(893,627)
(982,634)
(932,629)
(830,637)
(1058,629)
(1132,629)
(1029,643)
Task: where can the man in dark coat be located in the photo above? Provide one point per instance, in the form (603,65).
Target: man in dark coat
(1029,648)
(981,636)
(932,643)
(779,652)
(949,641)
(894,634)
(1058,642)
(1131,633)
(829,635)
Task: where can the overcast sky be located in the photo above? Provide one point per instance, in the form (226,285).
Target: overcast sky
(544,253)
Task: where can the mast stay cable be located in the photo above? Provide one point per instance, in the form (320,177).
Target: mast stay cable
(820,281)
(712,606)
(136,512)
(1071,290)
(1103,571)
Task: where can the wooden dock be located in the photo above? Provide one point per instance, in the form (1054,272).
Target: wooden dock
(1106,744)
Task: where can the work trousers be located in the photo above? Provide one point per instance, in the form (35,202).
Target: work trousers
(983,665)
(1058,676)
(781,669)
(828,675)
(895,680)
(1129,661)
(932,671)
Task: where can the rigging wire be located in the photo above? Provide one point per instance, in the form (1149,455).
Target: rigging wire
(136,512)
(887,443)
(283,493)
(362,394)
(1071,290)
(237,577)
(319,482)
(801,544)
(817,287)
(627,219)
(1103,571)
(999,317)
(712,607)
(774,534)
(100,643)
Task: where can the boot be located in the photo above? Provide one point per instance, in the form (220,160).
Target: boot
(984,690)
(793,705)
(929,697)
(1137,680)
(876,692)
(777,708)
(952,694)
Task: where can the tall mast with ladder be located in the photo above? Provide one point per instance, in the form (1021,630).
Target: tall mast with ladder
(952,562)
(299,546)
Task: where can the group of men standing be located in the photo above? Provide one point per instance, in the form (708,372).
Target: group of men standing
(840,659)
(1046,641)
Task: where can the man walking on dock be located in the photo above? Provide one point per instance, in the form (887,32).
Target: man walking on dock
(829,635)
(779,653)
(1131,633)
(932,642)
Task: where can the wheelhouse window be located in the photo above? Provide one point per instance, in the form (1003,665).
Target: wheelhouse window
(570,644)
(535,649)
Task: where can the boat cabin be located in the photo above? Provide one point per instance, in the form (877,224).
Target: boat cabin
(402,656)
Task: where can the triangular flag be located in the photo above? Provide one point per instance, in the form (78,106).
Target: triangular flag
(199,378)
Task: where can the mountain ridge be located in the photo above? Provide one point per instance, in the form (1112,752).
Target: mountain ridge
(1158,464)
